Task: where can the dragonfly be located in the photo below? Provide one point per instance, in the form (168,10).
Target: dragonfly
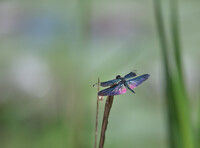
(120,85)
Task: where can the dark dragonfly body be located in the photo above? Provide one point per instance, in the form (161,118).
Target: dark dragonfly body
(120,85)
(124,82)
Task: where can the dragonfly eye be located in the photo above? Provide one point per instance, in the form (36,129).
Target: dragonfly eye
(118,76)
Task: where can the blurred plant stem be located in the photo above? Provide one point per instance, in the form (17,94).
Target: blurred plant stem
(175,37)
(198,122)
(81,43)
(84,22)
(97,114)
(180,129)
(108,105)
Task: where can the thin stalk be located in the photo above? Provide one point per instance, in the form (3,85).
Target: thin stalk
(97,114)
(162,34)
(176,96)
(168,89)
(175,36)
(108,105)
(183,117)
(181,97)
(198,122)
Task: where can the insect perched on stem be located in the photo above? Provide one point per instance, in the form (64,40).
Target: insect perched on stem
(120,85)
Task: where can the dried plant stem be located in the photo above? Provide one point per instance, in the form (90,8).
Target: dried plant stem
(107,109)
(97,114)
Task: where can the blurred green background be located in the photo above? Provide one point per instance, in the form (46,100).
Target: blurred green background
(52,52)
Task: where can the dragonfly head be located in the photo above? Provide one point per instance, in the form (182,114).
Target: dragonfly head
(118,77)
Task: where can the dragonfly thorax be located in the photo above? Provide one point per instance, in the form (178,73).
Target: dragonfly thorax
(121,78)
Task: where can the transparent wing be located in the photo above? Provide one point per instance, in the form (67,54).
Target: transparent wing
(115,90)
(132,83)
(130,75)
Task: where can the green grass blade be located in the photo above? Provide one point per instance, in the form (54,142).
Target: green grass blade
(180,130)
(181,97)
(172,123)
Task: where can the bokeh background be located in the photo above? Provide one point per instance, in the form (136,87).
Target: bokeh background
(52,52)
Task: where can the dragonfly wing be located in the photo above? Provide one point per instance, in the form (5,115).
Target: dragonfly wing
(115,90)
(110,83)
(132,83)
(130,75)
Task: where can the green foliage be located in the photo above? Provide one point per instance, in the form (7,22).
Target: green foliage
(180,127)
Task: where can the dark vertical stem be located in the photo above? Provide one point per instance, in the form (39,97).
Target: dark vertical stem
(97,114)
(108,105)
